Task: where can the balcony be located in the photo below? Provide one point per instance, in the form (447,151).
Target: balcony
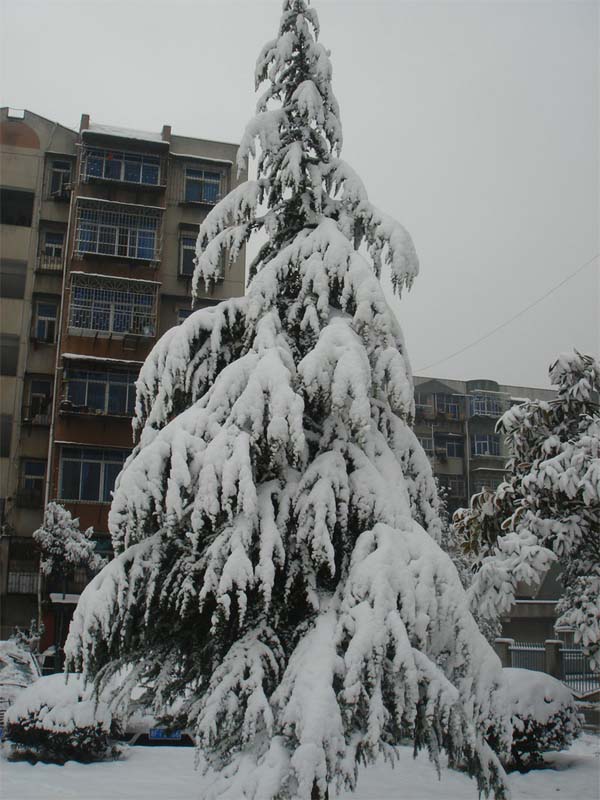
(49,264)
(122,231)
(486,406)
(112,307)
(23,582)
(139,170)
(34,416)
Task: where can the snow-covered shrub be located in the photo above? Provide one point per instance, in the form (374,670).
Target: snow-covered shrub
(543,713)
(58,719)
(548,507)
(64,545)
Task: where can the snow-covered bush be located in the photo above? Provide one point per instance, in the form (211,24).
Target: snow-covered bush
(63,545)
(543,714)
(548,507)
(58,719)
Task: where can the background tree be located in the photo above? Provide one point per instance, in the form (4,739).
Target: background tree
(276,524)
(548,508)
(63,547)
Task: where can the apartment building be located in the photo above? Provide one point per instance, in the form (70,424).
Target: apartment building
(95,267)
(455,422)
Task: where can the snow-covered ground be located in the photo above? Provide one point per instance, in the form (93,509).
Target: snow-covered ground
(167,773)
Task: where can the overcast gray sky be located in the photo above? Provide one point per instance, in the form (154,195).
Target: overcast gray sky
(473,123)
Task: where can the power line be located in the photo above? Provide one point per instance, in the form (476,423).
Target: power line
(513,318)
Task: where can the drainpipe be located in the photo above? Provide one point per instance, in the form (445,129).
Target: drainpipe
(57,368)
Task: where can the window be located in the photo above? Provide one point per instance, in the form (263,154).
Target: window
(44,323)
(485,444)
(202,186)
(454,484)
(9,353)
(485,406)
(5,434)
(32,478)
(187,255)
(39,400)
(112,305)
(115,165)
(448,404)
(13,275)
(486,483)
(108,392)
(426,443)
(118,229)
(455,448)
(53,243)
(60,178)
(183,313)
(16,207)
(89,473)
(31,490)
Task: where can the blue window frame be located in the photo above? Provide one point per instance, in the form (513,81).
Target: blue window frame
(202,186)
(117,165)
(88,473)
(107,392)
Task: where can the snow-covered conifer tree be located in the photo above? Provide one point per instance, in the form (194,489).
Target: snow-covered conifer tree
(276,525)
(548,508)
(63,545)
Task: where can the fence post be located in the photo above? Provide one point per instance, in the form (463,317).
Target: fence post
(553,658)
(502,647)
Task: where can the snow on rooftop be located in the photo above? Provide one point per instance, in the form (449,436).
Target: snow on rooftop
(125,133)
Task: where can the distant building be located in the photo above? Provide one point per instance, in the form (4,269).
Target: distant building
(455,422)
(98,233)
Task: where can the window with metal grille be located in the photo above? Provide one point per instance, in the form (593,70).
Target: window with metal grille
(202,185)
(89,473)
(485,406)
(121,166)
(44,322)
(112,305)
(485,444)
(448,404)
(106,392)
(118,229)
(60,178)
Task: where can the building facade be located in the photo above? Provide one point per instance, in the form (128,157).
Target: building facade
(98,240)
(455,422)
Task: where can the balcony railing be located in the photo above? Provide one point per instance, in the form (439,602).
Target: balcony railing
(30,498)
(23,582)
(118,230)
(47,263)
(33,416)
